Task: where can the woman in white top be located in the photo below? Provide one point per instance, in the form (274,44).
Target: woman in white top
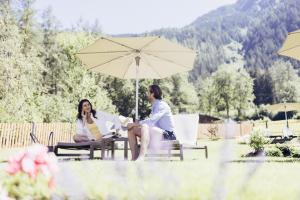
(92,125)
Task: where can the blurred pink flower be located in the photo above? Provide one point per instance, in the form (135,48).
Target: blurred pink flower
(29,167)
(51,162)
(34,160)
(14,163)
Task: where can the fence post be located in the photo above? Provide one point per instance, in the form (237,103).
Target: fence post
(241,130)
(70,133)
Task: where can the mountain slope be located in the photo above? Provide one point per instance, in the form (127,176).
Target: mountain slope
(249,32)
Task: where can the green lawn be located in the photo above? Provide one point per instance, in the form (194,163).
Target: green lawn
(224,175)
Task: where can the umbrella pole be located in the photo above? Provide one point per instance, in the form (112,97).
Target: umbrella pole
(137,60)
(286,119)
(137,96)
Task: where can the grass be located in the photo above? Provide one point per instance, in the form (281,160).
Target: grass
(224,175)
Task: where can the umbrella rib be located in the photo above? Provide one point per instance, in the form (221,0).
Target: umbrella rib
(156,38)
(96,52)
(123,45)
(166,60)
(297,32)
(167,51)
(110,60)
(289,49)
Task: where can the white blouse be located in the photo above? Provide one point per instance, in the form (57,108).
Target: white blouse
(103,122)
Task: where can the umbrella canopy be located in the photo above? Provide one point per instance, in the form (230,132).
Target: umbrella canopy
(136,58)
(291,46)
(284,107)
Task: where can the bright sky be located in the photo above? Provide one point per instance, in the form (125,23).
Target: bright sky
(130,16)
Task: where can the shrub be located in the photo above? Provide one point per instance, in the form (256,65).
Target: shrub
(285,149)
(213,131)
(295,153)
(273,152)
(257,141)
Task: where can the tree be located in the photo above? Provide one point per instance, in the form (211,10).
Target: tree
(122,93)
(52,55)
(19,73)
(243,91)
(179,93)
(78,83)
(207,100)
(27,26)
(286,82)
(223,83)
(229,88)
(263,87)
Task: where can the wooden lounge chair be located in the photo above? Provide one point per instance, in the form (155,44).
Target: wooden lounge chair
(280,138)
(186,131)
(287,135)
(35,140)
(91,146)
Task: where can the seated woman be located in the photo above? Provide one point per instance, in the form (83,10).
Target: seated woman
(91,125)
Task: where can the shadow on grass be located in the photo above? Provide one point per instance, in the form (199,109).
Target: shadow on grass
(291,160)
(117,160)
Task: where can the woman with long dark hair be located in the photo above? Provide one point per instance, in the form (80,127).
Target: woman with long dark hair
(91,124)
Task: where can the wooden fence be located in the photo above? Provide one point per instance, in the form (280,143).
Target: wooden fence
(276,126)
(220,129)
(14,135)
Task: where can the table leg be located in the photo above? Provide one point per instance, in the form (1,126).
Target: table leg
(103,151)
(126,149)
(113,150)
(91,152)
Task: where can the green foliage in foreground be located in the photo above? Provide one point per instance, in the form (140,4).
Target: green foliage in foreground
(20,186)
(224,175)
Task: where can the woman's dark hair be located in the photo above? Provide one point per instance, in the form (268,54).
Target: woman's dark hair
(80,109)
(155,89)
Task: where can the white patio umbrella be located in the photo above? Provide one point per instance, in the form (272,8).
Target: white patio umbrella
(284,107)
(137,58)
(291,46)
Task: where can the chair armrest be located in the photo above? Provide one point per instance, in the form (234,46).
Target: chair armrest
(33,137)
(50,138)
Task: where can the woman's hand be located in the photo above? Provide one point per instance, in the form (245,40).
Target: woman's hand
(84,117)
(90,115)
